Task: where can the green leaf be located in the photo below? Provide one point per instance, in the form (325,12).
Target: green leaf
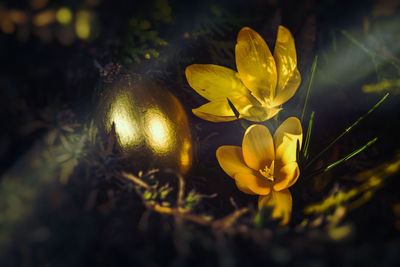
(308,136)
(348,129)
(356,42)
(313,68)
(342,160)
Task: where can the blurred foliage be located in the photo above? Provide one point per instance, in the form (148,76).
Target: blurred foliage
(392,86)
(143,41)
(354,198)
(50,160)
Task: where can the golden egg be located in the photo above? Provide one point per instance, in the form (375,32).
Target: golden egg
(151,126)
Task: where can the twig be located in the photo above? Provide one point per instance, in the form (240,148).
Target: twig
(181,213)
(230,219)
(136,180)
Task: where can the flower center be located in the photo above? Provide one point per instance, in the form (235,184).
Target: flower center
(268,172)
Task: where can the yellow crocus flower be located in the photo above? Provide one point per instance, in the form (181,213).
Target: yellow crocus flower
(262,83)
(266,165)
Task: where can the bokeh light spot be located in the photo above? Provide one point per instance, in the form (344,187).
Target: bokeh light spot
(82,24)
(64,15)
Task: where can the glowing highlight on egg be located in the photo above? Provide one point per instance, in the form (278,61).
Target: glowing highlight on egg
(126,127)
(158,131)
(151,126)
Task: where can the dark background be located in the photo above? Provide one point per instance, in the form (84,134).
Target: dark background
(47,83)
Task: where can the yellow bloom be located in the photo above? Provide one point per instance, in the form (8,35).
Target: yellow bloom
(266,165)
(262,83)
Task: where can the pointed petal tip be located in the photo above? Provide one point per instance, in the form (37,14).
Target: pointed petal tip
(286,137)
(246,28)
(297,125)
(292,125)
(283,28)
(255,126)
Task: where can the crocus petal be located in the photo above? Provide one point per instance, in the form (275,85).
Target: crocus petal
(216,111)
(252,183)
(286,176)
(258,147)
(219,110)
(231,160)
(285,138)
(288,89)
(256,65)
(215,82)
(285,57)
(280,202)
(242,186)
(259,113)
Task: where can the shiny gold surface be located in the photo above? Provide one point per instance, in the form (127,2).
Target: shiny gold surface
(126,126)
(159,131)
(151,126)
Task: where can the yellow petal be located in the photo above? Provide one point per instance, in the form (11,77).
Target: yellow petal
(216,111)
(242,186)
(252,183)
(286,176)
(281,204)
(288,90)
(231,160)
(219,110)
(256,65)
(259,113)
(258,147)
(285,138)
(286,64)
(214,82)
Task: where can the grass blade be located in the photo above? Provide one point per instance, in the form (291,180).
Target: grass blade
(348,129)
(371,53)
(340,161)
(356,42)
(313,68)
(308,136)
